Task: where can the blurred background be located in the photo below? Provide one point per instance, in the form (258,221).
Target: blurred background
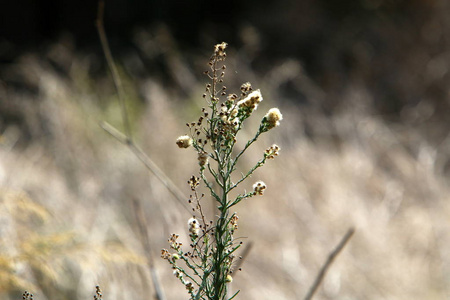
(363,86)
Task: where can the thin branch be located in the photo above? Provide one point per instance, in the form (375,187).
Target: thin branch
(114,132)
(249,143)
(126,138)
(142,225)
(112,67)
(148,163)
(249,173)
(328,263)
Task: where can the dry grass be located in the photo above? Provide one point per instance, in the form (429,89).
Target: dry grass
(66,191)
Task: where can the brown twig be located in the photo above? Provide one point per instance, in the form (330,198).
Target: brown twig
(328,263)
(112,67)
(148,163)
(126,138)
(143,233)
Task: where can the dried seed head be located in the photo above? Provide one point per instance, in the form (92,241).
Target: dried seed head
(193,182)
(233,223)
(173,242)
(165,254)
(194,226)
(232,97)
(246,87)
(259,187)
(202,158)
(272,151)
(184,141)
(177,273)
(273,118)
(189,286)
(219,50)
(250,103)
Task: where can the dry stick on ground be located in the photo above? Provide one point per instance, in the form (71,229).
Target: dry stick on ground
(328,263)
(126,138)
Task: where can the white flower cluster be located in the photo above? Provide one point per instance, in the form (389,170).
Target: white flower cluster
(250,102)
(184,141)
(194,226)
(259,187)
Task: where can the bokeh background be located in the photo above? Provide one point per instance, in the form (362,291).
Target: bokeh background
(364,91)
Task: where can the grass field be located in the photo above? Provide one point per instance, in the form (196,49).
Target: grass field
(67,188)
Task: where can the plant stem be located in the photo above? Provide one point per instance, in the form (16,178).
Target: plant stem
(222,240)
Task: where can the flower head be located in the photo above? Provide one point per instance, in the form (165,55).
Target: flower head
(194,226)
(259,187)
(246,88)
(273,118)
(219,50)
(272,151)
(184,141)
(174,244)
(231,98)
(250,103)
(202,158)
(189,286)
(177,273)
(165,253)
(233,223)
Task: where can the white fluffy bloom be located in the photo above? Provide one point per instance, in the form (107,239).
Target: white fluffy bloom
(194,226)
(251,101)
(273,117)
(259,187)
(184,141)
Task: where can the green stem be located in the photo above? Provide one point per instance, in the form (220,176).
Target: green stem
(249,143)
(222,236)
(258,164)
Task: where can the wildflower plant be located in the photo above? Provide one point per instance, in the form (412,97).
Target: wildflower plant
(207,267)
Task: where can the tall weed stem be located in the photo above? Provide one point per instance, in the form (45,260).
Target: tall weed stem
(208,265)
